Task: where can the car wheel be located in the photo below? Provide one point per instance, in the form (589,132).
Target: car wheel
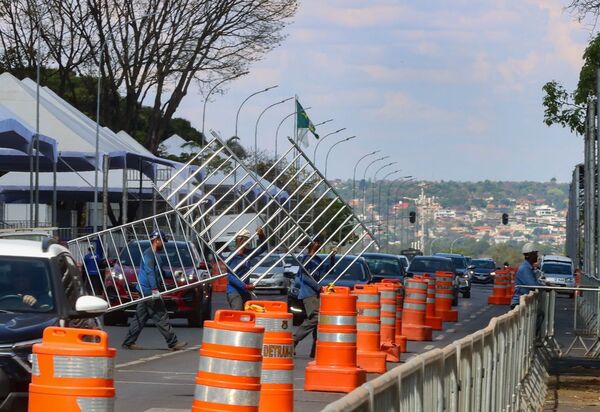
(116,318)
(466,295)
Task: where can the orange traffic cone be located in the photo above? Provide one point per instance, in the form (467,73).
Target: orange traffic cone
(71,373)
(444,295)
(413,314)
(228,377)
(387,294)
(277,376)
(430,317)
(334,368)
(501,289)
(400,340)
(368,354)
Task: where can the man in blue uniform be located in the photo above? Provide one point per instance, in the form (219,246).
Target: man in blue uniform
(238,292)
(526,273)
(309,288)
(154,308)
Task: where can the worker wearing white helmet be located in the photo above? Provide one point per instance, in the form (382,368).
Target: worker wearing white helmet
(526,273)
(238,292)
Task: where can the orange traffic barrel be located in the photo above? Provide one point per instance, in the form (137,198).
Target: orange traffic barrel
(228,377)
(72,370)
(430,316)
(400,340)
(413,314)
(500,293)
(277,376)
(219,268)
(368,354)
(444,295)
(387,294)
(334,368)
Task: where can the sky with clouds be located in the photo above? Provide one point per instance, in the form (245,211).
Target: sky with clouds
(450,89)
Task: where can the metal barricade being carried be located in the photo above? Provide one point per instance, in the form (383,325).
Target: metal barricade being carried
(290,198)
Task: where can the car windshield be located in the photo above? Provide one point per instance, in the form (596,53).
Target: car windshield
(556,269)
(430,265)
(25,285)
(483,264)
(351,271)
(384,266)
(459,262)
(171,251)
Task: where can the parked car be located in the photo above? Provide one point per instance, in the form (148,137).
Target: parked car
(464,272)
(194,303)
(422,265)
(279,274)
(354,270)
(383,265)
(558,274)
(484,270)
(46,272)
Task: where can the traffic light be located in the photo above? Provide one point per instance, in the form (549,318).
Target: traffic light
(412,217)
(505,218)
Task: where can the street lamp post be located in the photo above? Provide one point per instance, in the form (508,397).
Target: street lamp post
(321,141)
(212,90)
(331,148)
(431,244)
(365,183)
(256,131)
(454,241)
(373,187)
(354,172)
(409,198)
(237,115)
(387,216)
(387,200)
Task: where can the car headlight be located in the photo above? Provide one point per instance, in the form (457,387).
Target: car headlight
(117,275)
(492,273)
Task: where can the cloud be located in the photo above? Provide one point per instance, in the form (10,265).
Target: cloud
(515,71)
(401,106)
(361,17)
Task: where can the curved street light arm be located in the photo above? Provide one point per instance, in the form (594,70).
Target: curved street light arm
(237,115)
(212,90)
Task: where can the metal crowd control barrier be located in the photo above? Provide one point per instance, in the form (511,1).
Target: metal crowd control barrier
(493,369)
(110,259)
(587,316)
(284,215)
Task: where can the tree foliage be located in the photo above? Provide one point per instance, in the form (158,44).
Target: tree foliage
(568,109)
(147,52)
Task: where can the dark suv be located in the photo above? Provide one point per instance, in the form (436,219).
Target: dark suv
(40,285)
(484,270)
(194,303)
(385,266)
(429,265)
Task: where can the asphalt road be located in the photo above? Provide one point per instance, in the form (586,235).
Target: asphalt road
(156,380)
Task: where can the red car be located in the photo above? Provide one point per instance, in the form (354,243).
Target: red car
(177,261)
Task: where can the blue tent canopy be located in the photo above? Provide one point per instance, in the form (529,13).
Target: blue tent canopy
(12,160)
(16,134)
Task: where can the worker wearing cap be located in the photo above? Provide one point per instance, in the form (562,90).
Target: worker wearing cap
(306,282)
(238,292)
(154,308)
(526,273)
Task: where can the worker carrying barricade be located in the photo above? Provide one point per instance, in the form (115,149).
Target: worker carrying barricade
(72,370)
(334,368)
(277,376)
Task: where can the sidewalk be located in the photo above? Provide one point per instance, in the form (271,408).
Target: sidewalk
(573,393)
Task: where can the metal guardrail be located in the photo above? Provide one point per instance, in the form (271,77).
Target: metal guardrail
(493,369)
(587,315)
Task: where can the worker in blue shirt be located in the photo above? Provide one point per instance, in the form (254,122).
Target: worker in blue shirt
(238,292)
(526,274)
(309,288)
(154,308)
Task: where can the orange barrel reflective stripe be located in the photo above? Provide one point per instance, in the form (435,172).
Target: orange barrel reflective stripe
(334,368)
(218,268)
(501,288)
(400,340)
(444,295)
(413,314)
(387,295)
(368,354)
(228,377)
(277,376)
(71,372)
(430,317)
